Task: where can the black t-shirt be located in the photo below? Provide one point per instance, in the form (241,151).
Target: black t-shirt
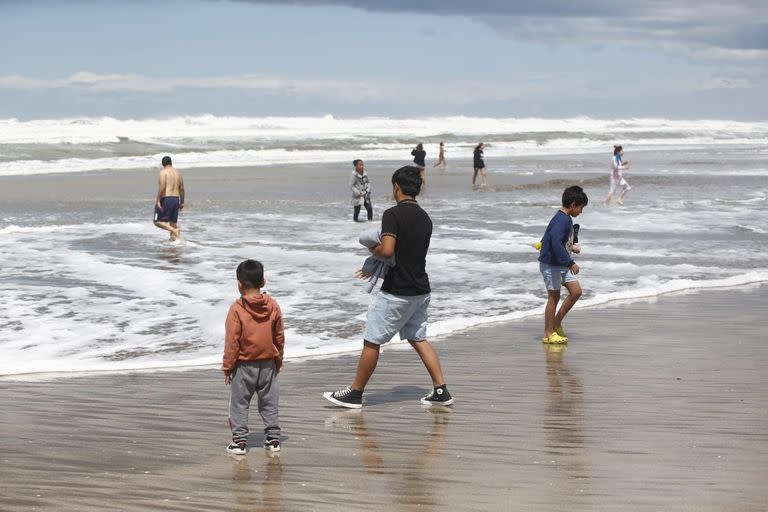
(418,157)
(412,228)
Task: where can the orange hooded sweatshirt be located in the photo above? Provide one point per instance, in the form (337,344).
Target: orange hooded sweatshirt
(253,332)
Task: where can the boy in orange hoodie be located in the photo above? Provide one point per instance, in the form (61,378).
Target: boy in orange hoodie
(253,356)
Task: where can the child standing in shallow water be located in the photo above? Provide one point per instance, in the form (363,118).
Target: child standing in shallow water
(360,186)
(253,356)
(556,265)
(618,181)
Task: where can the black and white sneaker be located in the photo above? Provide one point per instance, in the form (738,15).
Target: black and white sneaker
(438,396)
(348,397)
(272,444)
(238,448)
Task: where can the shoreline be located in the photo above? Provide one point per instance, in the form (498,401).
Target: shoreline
(654,405)
(521,316)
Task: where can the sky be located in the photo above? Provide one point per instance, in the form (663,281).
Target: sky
(677,59)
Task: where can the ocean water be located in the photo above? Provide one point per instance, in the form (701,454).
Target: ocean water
(88,284)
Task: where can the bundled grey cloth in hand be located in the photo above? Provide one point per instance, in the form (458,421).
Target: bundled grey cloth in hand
(375,266)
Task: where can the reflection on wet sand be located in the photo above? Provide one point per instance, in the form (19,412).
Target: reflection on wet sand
(253,490)
(353,421)
(410,479)
(564,416)
(416,483)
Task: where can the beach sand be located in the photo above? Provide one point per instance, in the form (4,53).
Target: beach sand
(654,405)
(307,182)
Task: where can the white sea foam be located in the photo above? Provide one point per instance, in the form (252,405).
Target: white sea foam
(755,229)
(303,346)
(202,293)
(126,228)
(174,129)
(271,157)
(210,141)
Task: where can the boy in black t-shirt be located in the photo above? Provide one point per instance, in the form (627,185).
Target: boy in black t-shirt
(401,305)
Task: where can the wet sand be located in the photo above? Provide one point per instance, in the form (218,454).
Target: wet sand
(307,181)
(658,405)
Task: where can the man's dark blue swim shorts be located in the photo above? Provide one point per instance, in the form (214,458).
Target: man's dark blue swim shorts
(170,210)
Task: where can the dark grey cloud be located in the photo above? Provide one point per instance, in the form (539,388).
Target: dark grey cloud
(472,8)
(735,27)
(755,37)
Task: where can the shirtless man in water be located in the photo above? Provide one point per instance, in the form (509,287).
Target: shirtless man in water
(170,199)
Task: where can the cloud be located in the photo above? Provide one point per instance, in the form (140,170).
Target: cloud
(525,86)
(734,30)
(680,94)
(87,81)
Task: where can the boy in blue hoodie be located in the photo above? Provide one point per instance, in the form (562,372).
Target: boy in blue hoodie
(556,265)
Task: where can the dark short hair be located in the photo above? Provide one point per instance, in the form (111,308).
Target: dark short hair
(354,162)
(574,194)
(167,161)
(250,273)
(409,180)
(617,149)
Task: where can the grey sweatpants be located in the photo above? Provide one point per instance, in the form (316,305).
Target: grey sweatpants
(259,377)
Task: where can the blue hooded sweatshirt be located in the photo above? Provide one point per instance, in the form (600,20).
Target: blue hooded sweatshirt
(553,245)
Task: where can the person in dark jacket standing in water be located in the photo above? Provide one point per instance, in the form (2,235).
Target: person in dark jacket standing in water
(418,158)
(479,165)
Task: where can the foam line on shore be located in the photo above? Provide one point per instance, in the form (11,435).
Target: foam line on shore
(43,370)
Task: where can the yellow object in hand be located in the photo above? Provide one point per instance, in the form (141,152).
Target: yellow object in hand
(537,245)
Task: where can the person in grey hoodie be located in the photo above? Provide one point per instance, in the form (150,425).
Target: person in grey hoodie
(361,190)
(253,355)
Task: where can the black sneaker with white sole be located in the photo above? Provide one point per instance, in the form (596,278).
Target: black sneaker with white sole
(237,448)
(347,397)
(272,444)
(438,396)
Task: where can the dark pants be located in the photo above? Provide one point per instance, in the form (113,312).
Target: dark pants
(368,208)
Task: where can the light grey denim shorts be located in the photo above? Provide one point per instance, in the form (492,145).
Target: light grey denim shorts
(555,276)
(390,314)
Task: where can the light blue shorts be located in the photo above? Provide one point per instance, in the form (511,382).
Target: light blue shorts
(390,314)
(555,277)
